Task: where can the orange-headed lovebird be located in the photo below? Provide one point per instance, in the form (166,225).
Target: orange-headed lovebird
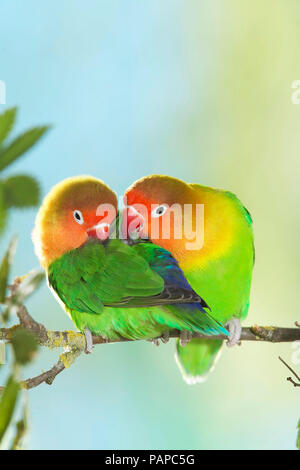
(218,262)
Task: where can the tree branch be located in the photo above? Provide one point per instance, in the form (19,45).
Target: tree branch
(75,343)
(64,339)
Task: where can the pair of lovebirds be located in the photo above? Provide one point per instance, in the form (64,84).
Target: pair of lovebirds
(138,287)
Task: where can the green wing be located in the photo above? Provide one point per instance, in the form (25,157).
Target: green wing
(116,275)
(97,275)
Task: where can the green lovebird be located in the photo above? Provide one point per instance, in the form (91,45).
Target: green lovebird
(218,263)
(106,286)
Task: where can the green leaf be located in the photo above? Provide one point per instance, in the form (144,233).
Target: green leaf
(7,120)
(8,403)
(5,268)
(3,210)
(24,345)
(298,436)
(20,145)
(21,191)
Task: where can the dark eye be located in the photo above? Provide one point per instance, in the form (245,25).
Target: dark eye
(159,211)
(78,217)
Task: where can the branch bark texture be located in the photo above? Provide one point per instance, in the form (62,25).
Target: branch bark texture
(74,343)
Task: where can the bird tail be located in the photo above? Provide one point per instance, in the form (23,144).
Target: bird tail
(197,358)
(193,317)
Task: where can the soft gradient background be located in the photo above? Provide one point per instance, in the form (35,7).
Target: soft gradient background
(200,90)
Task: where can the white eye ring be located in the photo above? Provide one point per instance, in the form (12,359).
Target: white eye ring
(159,211)
(78,217)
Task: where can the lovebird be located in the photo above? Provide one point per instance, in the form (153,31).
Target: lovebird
(107,286)
(218,264)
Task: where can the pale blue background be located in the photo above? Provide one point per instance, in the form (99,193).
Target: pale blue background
(198,90)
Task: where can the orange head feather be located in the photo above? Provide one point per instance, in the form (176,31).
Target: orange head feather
(73,211)
(152,192)
(223,217)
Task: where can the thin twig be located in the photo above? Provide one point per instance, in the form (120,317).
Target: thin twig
(47,377)
(290,379)
(66,359)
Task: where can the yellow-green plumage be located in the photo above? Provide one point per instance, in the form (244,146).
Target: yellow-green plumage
(221,269)
(224,278)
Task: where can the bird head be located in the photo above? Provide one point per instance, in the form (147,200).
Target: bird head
(184,218)
(154,208)
(74,211)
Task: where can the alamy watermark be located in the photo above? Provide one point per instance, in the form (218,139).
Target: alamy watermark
(156,222)
(2,92)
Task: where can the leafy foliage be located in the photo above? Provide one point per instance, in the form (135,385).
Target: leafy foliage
(19,191)
(20,145)
(3,209)
(7,120)
(5,268)
(21,430)
(298,436)
(8,403)
(22,342)
(24,345)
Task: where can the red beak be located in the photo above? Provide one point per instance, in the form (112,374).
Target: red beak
(100,231)
(133,221)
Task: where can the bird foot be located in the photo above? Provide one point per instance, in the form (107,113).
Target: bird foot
(235,329)
(89,341)
(164,339)
(185,337)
